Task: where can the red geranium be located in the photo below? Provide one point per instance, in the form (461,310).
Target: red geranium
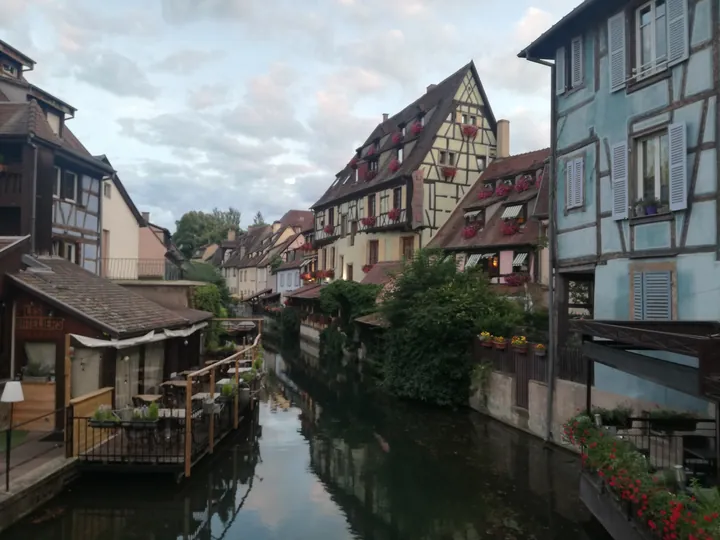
(328,229)
(523,184)
(394,166)
(469,231)
(416,128)
(517,279)
(449,172)
(371,151)
(394,214)
(368,221)
(502,190)
(485,194)
(397,137)
(470,131)
(367,268)
(509,227)
(354,162)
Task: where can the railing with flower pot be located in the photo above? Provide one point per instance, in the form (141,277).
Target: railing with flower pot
(393,218)
(370,175)
(502,190)
(449,172)
(416,128)
(394,214)
(485,193)
(523,184)
(509,227)
(517,279)
(470,131)
(397,137)
(470,231)
(328,229)
(394,166)
(366,268)
(368,221)
(327,232)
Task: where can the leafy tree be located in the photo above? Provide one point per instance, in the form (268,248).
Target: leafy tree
(434,312)
(200,271)
(258,219)
(208,298)
(195,229)
(348,300)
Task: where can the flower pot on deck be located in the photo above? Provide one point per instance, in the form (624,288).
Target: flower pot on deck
(540,352)
(520,349)
(102,424)
(500,346)
(487,344)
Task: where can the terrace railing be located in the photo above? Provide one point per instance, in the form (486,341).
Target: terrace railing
(137,269)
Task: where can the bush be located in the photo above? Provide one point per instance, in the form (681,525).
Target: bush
(434,312)
(289,325)
(348,300)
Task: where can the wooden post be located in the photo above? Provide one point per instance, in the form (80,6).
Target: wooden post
(188,426)
(236,401)
(212,416)
(67,382)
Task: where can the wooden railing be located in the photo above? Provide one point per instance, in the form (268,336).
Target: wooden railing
(80,410)
(383,220)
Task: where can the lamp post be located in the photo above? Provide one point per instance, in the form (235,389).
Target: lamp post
(12,393)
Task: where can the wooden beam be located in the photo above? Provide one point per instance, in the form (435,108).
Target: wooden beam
(212,416)
(188,426)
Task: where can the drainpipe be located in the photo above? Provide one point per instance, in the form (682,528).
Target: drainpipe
(552,237)
(12,340)
(34,192)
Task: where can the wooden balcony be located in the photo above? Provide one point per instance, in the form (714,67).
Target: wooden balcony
(324,237)
(141,269)
(384,222)
(11,183)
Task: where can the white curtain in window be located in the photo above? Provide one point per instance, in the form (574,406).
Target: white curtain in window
(42,354)
(126,376)
(154,362)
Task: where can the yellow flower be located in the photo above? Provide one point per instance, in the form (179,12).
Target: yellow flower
(540,347)
(519,340)
(498,339)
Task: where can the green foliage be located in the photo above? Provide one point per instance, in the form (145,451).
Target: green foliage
(434,312)
(208,298)
(331,344)
(200,271)
(348,300)
(258,219)
(275,262)
(195,229)
(289,326)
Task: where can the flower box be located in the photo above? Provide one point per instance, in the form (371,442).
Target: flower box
(509,227)
(416,128)
(502,190)
(140,424)
(522,349)
(328,229)
(103,424)
(394,166)
(540,352)
(449,172)
(669,425)
(397,137)
(501,346)
(369,175)
(485,194)
(523,184)
(367,268)
(354,162)
(368,221)
(470,131)
(469,232)
(488,344)
(394,214)
(517,279)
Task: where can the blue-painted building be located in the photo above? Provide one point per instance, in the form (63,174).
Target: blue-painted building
(635,156)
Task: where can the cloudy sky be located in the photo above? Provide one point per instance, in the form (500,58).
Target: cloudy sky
(257,104)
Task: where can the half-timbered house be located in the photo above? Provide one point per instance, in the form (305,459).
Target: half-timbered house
(404,181)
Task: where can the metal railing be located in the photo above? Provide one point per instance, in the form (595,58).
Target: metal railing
(132,269)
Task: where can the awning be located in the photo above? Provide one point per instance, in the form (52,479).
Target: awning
(474,213)
(487,255)
(257,294)
(472,260)
(511,212)
(151,337)
(519,259)
(305,264)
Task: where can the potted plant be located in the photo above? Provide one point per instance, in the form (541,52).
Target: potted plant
(486,338)
(668,421)
(520,344)
(470,131)
(394,166)
(618,417)
(145,417)
(499,343)
(104,417)
(540,350)
(366,268)
(416,128)
(469,231)
(449,172)
(227,392)
(36,372)
(328,229)
(502,190)
(394,214)
(368,221)
(651,205)
(397,137)
(485,193)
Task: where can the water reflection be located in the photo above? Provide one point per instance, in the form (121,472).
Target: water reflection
(326,460)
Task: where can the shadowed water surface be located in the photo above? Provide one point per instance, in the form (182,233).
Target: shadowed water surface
(331,462)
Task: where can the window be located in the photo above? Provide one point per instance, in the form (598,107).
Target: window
(107,190)
(421,119)
(383,204)
(56,184)
(521,262)
(407,247)
(473,121)
(349,272)
(449,117)
(371,205)
(517,212)
(574,183)
(324,259)
(653,173)
(357,174)
(54,121)
(652,296)
(9,69)
(475,217)
(234,270)
(397,197)
(400,155)
(343,225)
(373,165)
(67,250)
(480,160)
(464,119)
(443,157)
(570,69)
(373,251)
(69,188)
(332,258)
(331,217)
(353,232)
(403,130)
(651,32)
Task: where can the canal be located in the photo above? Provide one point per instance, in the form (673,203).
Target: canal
(326,460)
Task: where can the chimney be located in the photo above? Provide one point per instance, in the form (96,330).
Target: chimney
(503,139)
(431,87)
(385,117)
(231,234)
(146,216)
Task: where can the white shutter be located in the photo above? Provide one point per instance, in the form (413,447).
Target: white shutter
(619,172)
(569,184)
(616,51)
(678,166)
(560,82)
(579,181)
(638,296)
(678,34)
(657,295)
(576,61)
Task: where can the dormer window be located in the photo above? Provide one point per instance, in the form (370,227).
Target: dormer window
(518,212)
(9,69)
(475,217)
(54,121)
(403,130)
(400,155)
(421,119)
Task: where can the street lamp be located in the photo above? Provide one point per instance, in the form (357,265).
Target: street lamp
(12,393)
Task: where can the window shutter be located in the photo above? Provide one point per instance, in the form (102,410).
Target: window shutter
(579,177)
(560,82)
(619,172)
(637,296)
(616,51)
(657,295)
(569,183)
(678,34)
(576,61)
(678,166)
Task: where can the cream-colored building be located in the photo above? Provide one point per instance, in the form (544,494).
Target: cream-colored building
(406,179)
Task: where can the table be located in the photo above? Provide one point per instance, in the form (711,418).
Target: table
(177,384)
(202,396)
(225,381)
(148,398)
(232,370)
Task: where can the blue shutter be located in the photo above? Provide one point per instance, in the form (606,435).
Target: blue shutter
(569,184)
(637,296)
(579,181)
(616,51)
(678,35)
(619,174)
(657,296)
(678,166)
(560,82)
(576,61)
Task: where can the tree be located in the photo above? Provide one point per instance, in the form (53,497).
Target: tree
(258,219)
(195,229)
(434,312)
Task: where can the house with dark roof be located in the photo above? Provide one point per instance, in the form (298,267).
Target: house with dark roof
(401,185)
(50,185)
(495,225)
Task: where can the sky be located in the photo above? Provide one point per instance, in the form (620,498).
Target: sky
(257,104)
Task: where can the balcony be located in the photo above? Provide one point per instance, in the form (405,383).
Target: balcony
(141,269)
(326,234)
(394,219)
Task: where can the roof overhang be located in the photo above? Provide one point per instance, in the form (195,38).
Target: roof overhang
(16,55)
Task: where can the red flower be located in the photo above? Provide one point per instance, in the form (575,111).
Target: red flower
(394,214)
(416,128)
(485,194)
(470,131)
(367,268)
(469,231)
(523,184)
(517,279)
(330,273)
(397,137)
(502,190)
(354,162)
(368,221)
(370,151)
(328,229)
(394,166)
(449,172)
(509,227)
(369,175)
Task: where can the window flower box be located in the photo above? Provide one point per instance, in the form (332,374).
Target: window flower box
(370,175)
(368,221)
(328,229)
(485,194)
(499,343)
(520,344)
(487,339)
(509,227)
(394,214)
(367,268)
(397,137)
(469,231)
(470,131)
(540,350)
(416,128)
(502,190)
(517,279)
(523,184)
(449,172)
(394,166)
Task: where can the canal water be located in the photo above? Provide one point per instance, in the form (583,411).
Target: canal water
(325,460)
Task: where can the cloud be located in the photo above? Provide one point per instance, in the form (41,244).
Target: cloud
(206,96)
(186,61)
(114,73)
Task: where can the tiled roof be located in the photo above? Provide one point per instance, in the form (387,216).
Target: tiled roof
(450,235)
(297,218)
(7,242)
(290,265)
(102,303)
(306,291)
(25,119)
(246,243)
(191,315)
(436,104)
(373,319)
(381,273)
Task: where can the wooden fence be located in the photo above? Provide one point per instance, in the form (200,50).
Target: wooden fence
(80,409)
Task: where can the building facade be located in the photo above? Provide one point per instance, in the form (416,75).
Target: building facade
(635,88)
(407,177)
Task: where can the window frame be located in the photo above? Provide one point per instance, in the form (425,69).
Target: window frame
(637,42)
(451,159)
(464,118)
(483,160)
(400,154)
(373,249)
(75,186)
(650,267)
(442,157)
(107,190)
(637,166)
(404,240)
(527,261)
(473,120)
(397,198)
(57,182)
(372,205)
